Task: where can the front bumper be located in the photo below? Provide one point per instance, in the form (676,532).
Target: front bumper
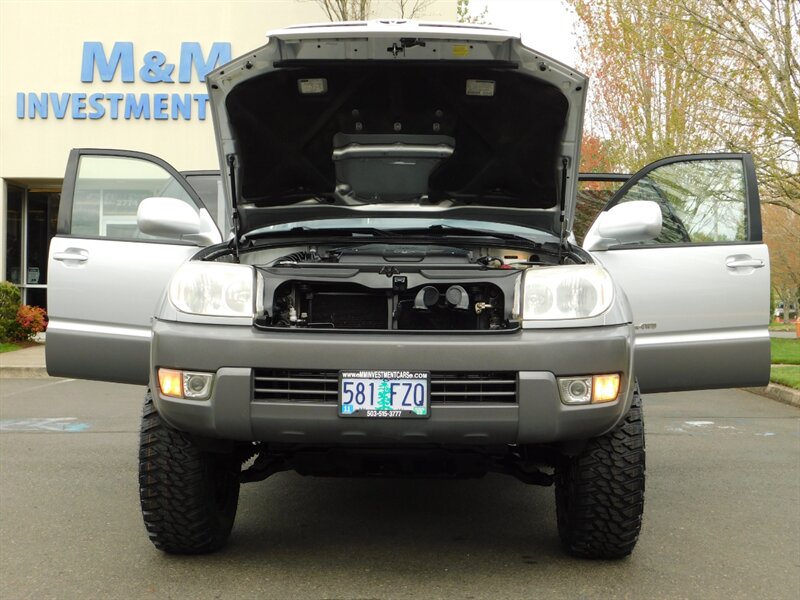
(538,357)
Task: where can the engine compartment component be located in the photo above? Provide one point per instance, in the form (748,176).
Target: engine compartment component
(427,298)
(457,297)
(323,305)
(393,285)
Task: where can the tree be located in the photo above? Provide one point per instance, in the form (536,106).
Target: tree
(464,15)
(698,75)
(346,10)
(595,155)
(593,195)
(642,104)
(361,10)
(759,83)
(782,235)
(412,9)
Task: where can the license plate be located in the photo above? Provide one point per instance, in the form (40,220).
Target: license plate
(384,394)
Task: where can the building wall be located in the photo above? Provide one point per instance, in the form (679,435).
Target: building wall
(43,61)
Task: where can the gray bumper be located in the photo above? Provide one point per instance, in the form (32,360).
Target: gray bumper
(538,356)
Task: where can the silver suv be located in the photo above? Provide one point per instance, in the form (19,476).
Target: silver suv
(390,285)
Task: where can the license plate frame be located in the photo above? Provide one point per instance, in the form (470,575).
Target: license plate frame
(406,399)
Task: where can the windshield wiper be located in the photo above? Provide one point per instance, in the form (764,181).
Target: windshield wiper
(438,232)
(373,231)
(304,231)
(467,232)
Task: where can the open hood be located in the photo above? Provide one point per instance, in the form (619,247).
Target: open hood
(397,118)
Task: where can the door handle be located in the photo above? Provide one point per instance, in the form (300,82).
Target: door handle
(81,256)
(738,263)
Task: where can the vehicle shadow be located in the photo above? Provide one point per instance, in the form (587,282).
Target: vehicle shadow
(302,523)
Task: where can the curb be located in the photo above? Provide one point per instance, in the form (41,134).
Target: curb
(778,392)
(13,372)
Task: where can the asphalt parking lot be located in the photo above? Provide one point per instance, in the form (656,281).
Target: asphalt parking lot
(722,515)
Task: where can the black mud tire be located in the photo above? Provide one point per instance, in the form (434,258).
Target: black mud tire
(600,492)
(188,497)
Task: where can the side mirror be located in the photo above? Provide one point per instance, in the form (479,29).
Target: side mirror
(171,218)
(634,221)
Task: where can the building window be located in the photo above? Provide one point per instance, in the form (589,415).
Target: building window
(14,197)
(31,220)
(42,213)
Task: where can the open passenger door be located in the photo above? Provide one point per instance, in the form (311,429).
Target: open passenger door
(700,290)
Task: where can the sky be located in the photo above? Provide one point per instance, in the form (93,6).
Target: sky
(546,25)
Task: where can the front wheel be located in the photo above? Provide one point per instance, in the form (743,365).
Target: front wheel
(188,497)
(600,492)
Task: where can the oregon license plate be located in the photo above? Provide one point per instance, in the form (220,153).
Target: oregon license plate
(384,394)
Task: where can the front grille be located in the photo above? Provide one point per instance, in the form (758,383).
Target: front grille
(273,385)
(447,387)
(481,386)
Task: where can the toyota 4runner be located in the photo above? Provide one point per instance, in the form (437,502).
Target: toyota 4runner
(390,285)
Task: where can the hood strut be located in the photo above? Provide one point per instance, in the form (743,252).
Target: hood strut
(563,205)
(235,212)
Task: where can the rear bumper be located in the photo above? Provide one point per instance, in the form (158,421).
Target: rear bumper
(537,356)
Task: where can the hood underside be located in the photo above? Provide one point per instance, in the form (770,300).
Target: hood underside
(314,130)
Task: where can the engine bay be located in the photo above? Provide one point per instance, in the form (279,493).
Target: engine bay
(380,286)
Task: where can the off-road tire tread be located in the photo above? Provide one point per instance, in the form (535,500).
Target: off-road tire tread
(179,509)
(600,493)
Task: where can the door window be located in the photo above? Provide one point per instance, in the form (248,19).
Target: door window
(702,201)
(207,186)
(108,191)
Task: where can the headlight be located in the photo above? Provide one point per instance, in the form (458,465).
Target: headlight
(566,292)
(213,289)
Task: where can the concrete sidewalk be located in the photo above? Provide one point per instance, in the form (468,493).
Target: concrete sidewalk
(29,363)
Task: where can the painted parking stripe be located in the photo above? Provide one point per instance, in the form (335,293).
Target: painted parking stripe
(66,424)
(36,387)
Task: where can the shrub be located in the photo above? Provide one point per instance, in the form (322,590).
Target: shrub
(30,321)
(9,306)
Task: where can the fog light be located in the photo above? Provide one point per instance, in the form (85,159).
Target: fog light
(605,388)
(185,384)
(171,383)
(589,389)
(576,390)
(197,386)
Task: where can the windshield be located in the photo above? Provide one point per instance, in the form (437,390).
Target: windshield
(394,224)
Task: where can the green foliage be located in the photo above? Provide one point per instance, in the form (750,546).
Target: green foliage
(8,347)
(693,76)
(781,326)
(463,14)
(785,351)
(789,376)
(642,105)
(9,305)
(30,321)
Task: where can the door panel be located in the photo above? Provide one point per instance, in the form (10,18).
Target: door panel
(700,290)
(106,276)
